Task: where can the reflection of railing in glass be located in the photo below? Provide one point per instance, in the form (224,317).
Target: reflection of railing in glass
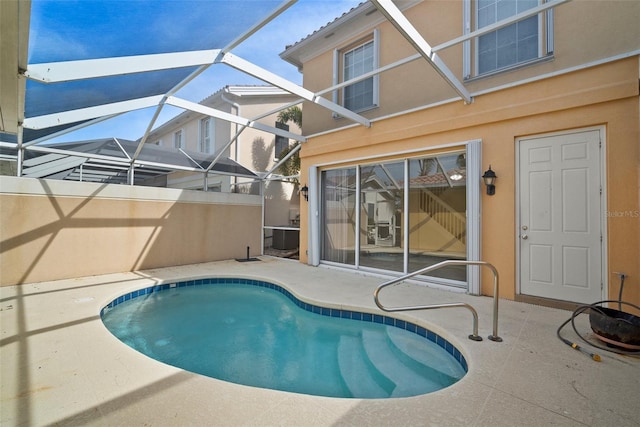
(443,214)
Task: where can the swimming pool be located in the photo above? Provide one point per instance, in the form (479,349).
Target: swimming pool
(258,333)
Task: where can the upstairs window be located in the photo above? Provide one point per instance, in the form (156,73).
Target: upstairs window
(206,135)
(177,139)
(354,61)
(357,62)
(514,45)
(281,142)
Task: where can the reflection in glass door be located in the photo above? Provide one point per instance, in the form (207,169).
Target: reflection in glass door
(339,215)
(381,208)
(437,213)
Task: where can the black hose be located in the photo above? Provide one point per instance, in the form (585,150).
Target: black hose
(573,345)
(581,309)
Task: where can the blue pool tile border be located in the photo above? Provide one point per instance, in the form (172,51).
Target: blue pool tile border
(324,311)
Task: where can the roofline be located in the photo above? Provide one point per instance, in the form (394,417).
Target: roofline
(247,90)
(236,90)
(363,9)
(325,31)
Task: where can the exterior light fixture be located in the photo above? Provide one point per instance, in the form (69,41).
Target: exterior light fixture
(456,176)
(489,178)
(305,192)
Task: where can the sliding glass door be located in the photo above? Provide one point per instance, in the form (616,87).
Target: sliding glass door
(401,215)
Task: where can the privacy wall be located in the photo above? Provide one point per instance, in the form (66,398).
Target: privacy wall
(53,230)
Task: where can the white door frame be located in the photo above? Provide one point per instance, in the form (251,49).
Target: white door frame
(603,202)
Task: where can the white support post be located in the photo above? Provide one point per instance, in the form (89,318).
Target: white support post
(284,159)
(313,233)
(20,161)
(407,190)
(474,207)
(358,219)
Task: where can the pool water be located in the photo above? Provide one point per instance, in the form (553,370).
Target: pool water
(263,337)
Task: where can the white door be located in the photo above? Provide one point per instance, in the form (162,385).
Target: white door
(559,229)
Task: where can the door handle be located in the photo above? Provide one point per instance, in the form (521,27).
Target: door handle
(524,237)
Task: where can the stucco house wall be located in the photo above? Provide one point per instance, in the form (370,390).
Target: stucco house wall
(614,108)
(584,32)
(590,82)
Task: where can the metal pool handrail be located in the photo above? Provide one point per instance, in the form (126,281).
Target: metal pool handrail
(474,336)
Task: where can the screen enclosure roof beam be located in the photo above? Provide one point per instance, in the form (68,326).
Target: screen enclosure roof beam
(212,112)
(267,76)
(73,116)
(402,24)
(64,71)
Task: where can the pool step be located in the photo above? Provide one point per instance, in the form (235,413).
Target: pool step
(385,359)
(439,364)
(356,371)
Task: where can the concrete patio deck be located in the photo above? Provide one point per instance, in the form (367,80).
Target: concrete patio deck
(60,365)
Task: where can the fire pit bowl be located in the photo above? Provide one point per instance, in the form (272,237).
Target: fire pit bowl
(615,327)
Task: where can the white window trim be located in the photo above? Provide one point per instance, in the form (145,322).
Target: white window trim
(338,74)
(545,42)
(201,142)
(182,138)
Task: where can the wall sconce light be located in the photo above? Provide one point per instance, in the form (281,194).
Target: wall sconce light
(305,192)
(489,178)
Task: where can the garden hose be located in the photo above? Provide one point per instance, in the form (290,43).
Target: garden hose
(581,309)
(573,345)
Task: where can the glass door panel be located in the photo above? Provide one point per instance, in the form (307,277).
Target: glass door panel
(339,215)
(381,212)
(437,213)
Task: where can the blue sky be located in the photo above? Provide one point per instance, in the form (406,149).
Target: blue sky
(262,49)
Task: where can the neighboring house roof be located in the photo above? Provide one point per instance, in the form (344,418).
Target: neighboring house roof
(433,180)
(439,179)
(235,91)
(247,91)
(108,161)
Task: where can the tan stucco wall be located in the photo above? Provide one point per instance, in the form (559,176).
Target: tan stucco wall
(584,32)
(604,96)
(55,229)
